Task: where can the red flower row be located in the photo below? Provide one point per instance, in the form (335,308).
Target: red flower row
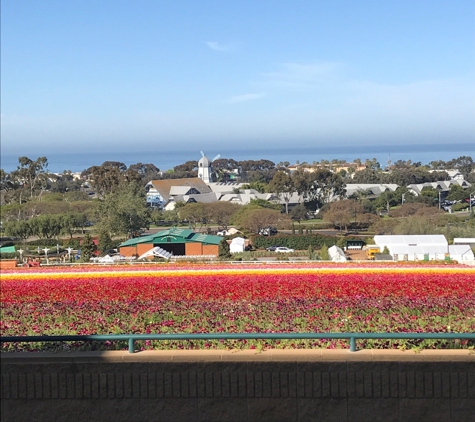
(240,286)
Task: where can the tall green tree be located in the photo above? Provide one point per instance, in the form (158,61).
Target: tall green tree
(390,199)
(88,247)
(29,176)
(195,213)
(224,250)
(46,226)
(464,164)
(457,193)
(324,253)
(105,241)
(299,213)
(254,219)
(124,211)
(221,213)
(343,213)
(17,228)
(71,222)
(283,186)
(318,188)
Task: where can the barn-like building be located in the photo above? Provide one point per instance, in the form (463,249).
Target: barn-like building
(179,242)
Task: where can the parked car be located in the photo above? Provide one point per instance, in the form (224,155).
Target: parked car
(268,231)
(273,248)
(283,249)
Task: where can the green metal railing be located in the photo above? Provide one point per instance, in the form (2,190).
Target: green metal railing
(131,338)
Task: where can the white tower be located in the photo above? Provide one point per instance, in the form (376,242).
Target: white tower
(204,167)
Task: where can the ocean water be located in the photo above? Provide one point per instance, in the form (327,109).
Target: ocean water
(164,160)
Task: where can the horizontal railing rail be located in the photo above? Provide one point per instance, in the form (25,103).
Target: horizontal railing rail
(131,338)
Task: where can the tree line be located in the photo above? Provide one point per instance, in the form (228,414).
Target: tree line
(37,203)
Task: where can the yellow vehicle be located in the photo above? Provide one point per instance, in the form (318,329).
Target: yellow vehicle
(371,251)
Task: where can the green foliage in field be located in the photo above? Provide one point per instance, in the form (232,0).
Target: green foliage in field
(297,242)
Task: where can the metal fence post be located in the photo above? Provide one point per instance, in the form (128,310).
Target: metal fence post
(131,345)
(352,344)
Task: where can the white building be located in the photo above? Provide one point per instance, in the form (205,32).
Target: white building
(442,186)
(237,245)
(422,248)
(464,241)
(162,193)
(204,169)
(373,190)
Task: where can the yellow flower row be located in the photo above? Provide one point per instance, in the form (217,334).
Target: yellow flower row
(31,276)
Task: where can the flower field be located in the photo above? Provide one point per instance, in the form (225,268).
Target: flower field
(221,299)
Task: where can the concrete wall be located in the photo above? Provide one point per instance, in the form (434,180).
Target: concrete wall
(302,385)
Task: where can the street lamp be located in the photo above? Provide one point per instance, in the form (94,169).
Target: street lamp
(402,200)
(448,236)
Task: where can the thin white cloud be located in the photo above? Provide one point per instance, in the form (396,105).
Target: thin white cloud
(214,45)
(296,75)
(245,97)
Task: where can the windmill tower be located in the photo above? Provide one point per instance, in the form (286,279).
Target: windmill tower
(204,167)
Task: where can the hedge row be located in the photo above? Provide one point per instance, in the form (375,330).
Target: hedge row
(44,242)
(8,255)
(296,241)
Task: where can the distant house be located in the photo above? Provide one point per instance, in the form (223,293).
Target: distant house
(453,174)
(373,190)
(310,168)
(162,192)
(442,186)
(246,197)
(225,187)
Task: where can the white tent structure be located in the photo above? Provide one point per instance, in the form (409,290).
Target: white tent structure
(107,259)
(237,245)
(464,241)
(415,247)
(461,253)
(336,254)
(156,251)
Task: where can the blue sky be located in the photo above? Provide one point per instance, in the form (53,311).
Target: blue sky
(140,74)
